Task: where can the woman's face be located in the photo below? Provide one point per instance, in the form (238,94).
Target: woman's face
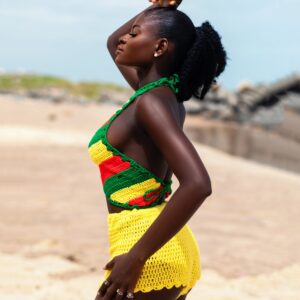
(137,47)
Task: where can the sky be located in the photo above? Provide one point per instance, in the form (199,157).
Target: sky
(68,38)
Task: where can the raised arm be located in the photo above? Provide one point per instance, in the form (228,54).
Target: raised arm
(129,73)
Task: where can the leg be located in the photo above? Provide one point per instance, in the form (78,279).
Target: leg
(163,294)
(183,297)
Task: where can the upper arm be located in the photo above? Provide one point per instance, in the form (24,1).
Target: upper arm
(129,73)
(156,118)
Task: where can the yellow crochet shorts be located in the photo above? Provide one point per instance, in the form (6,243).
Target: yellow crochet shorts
(175,264)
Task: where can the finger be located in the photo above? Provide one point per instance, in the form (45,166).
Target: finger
(98,296)
(110,292)
(175,2)
(104,287)
(121,293)
(130,294)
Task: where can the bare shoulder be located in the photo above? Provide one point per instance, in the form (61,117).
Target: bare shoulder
(154,114)
(163,104)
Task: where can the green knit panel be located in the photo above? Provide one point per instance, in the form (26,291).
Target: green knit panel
(124,179)
(99,135)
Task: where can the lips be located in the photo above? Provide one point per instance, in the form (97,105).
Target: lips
(119,49)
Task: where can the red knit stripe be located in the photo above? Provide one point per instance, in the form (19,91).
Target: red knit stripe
(140,201)
(112,166)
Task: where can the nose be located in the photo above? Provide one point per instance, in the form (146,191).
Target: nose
(122,39)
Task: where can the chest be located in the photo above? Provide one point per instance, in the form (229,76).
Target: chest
(124,133)
(124,130)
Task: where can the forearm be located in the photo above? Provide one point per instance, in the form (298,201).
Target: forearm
(183,204)
(125,28)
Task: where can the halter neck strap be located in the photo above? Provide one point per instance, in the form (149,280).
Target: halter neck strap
(171,81)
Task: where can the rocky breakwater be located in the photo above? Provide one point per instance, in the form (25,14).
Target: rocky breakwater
(255,122)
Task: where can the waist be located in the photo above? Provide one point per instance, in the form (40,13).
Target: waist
(114,209)
(134,213)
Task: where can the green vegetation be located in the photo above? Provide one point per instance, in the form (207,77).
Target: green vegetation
(29,82)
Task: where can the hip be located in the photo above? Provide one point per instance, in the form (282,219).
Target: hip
(127,227)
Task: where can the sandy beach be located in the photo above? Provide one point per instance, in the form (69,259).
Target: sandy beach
(53,216)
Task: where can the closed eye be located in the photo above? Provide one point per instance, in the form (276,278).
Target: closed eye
(132,34)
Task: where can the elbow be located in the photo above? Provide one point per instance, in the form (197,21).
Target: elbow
(209,192)
(111,47)
(204,188)
(205,191)
(112,42)
(109,43)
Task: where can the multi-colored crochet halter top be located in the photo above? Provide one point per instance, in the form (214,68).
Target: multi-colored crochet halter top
(126,183)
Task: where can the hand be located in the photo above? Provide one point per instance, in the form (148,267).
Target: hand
(125,273)
(166,3)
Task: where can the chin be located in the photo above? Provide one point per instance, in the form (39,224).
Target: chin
(121,62)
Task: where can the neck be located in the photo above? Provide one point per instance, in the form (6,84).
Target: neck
(150,75)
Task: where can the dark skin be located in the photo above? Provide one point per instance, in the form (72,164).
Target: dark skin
(150,130)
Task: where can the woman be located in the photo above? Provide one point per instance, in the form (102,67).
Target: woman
(166,60)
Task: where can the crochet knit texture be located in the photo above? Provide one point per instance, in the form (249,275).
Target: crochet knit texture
(175,264)
(126,183)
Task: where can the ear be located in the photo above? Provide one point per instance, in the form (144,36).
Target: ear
(161,47)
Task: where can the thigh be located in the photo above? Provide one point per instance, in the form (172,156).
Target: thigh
(183,297)
(163,294)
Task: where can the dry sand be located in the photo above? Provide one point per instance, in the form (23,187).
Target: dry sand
(53,216)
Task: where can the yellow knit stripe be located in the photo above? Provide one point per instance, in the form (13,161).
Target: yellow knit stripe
(99,153)
(135,190)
